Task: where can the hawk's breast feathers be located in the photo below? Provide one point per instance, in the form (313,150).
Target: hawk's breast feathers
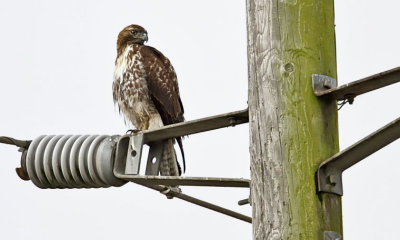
(144,76)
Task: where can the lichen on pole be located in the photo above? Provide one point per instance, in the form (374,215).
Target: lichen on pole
(291,130)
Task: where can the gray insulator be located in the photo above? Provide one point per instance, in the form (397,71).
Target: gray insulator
(66,161)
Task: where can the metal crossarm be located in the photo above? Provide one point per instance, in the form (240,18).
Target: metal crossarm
(329,174)
(353,89)
(127,165)
(197,126)
(129,152)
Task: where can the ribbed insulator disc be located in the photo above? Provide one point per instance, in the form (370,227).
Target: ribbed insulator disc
(66,161)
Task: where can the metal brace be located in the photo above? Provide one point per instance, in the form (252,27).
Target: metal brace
(129,150)
(133,153)
(329,173)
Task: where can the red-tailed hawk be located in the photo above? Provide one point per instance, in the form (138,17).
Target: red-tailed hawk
(146,90)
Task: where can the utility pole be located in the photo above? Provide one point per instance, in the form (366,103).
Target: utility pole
(291,130)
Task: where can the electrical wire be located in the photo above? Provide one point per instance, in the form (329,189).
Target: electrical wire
(16,142)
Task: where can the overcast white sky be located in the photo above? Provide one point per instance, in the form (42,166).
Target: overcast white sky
(57,61)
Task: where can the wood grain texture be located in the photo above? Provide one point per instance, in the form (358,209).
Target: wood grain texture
(291,131)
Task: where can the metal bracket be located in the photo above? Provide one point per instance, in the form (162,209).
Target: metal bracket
(329,180)
(134,153)
(129,149)
(154,159)
(322,83)
(331,235)
(329,173)
(127,164)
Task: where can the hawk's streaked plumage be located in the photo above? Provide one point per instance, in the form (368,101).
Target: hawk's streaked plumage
(146,90)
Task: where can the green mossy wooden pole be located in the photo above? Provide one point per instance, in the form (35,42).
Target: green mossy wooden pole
(291,131)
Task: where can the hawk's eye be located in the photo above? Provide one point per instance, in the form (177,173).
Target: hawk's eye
(133,32)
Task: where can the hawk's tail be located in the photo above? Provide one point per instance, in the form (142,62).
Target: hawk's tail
(169,164)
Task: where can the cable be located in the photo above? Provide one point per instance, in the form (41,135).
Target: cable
(349,99)
(12,141)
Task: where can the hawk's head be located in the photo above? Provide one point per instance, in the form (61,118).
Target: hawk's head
(131,34)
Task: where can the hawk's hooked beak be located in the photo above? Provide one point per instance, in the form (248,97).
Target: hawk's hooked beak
(144,37)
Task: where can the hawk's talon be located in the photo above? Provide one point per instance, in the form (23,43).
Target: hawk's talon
(132,131)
